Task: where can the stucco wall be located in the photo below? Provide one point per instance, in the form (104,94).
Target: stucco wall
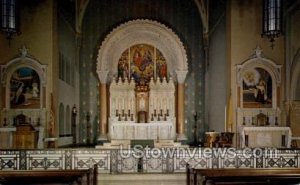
(217,69)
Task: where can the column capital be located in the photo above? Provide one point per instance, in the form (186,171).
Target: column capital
(103,76)
(181,75)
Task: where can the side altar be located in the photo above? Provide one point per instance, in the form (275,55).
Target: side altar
(279,137)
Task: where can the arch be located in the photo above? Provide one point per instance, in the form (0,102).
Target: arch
(61,119)
(137,32)
(23,60)
(258,61)
(295,77)
(68,122)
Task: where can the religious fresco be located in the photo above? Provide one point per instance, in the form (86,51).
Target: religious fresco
(141,62)
(123,65)
(24,89)
(161,65)
(257,89)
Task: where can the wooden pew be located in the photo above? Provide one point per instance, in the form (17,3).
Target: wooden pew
(237,176)
(28,177)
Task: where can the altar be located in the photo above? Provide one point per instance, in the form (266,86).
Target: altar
(146,131)
(143,111)
(278,137)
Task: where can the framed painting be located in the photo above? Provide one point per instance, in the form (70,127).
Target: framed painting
(257,89)
(25,89)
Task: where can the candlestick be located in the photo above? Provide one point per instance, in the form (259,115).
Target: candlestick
(225,127)
(276,120)
(38,121)
(131,117)
(5,123)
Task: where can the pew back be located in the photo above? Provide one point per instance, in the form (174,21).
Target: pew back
(83,177)
(243,176)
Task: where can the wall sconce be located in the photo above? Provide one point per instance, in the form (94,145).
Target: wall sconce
(272,20)
(9,17)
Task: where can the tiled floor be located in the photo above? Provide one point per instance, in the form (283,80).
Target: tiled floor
(142,179)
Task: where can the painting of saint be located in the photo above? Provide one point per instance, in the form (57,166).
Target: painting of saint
(161,65)
(257,89)
(123,68)
(24,89)
(137,59)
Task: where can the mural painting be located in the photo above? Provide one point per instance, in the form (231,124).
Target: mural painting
(142,66)
(141,62)
(123,66)
(161,65)
(24,89)
(257,89)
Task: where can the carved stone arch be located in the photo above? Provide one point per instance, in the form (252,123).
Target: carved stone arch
(23,60)
(19,62)
(258,61)
(273,69)
(137,32)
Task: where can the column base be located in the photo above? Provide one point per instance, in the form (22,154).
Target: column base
(50,142)
(181,137)
(102,139)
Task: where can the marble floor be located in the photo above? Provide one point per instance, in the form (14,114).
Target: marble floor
(142,179)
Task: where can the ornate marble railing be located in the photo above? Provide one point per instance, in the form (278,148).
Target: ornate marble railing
(147,161)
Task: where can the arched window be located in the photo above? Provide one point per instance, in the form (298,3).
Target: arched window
(68,122)
(61,120)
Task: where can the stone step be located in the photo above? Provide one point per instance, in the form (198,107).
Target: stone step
(145,179)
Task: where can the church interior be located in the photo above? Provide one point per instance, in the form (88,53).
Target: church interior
(137,91)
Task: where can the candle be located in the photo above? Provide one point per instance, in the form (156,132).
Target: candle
(225,119)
